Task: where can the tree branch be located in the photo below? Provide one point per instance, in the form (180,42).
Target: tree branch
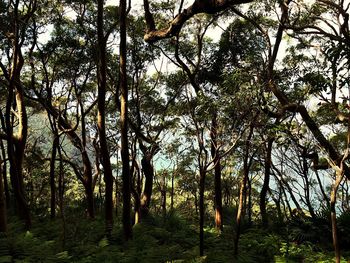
(174,27)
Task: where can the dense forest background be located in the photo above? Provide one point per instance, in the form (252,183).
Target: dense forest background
(174,131)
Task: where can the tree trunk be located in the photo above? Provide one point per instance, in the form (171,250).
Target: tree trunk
(250,205)
(217,173)
(243,189)
(265,187)
(16,142)
(87,182)
(80,144)
(163,193)
(106,163)
(148,171)
(240,211)
(136,187)
(4,174)
(325,197)
(202,174)
(172,191)
(123,124)
(333,199)
(285,184)
(61,186)
(55,145)
(3,212)
(307,184)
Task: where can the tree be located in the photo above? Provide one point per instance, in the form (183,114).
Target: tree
(15,28)
(106,163)
(3,212)
(123,122)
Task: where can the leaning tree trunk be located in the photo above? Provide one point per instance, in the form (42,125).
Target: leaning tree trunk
(305,169)
(123,124)
(265,187)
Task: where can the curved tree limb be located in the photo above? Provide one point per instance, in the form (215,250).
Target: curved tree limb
(174,27)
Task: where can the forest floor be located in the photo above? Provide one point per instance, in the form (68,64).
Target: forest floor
(156,239)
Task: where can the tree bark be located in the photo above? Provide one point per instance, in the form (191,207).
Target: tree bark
(333,199)
(148,171)
(217,173)
(3,212)
(202,175)
(101,125)
(265,187)
(163,193)
(174,26)
(87,182)
(172,191)
(4,174)
(243,189)
(123,124)
(55,145)
(16,142)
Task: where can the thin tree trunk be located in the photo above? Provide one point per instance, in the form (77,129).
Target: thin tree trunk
(243,189)
(4,174)
(202,175)
(163,192)
(79,143)
(240,211)
(55,145)
(307,184)
(217,173)
(61,184)
(333,199)
(325,197)
(117,194)
(172,191)
(3,212)
(88,182)
(136,187)
(250,205)
(148,171)
(123,124)
(289,189)
(101,125)
(265,187)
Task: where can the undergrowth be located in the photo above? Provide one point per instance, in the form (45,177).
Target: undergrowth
(155,239)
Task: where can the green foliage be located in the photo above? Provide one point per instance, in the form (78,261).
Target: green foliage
(156,239)
(313,230)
